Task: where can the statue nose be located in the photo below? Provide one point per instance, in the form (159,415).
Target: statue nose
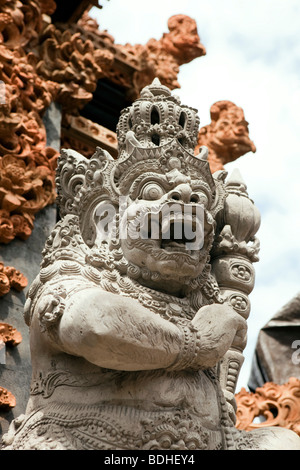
(183,193)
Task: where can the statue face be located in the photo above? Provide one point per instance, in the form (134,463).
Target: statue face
(166,228)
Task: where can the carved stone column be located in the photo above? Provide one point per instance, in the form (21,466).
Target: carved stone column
(235,250)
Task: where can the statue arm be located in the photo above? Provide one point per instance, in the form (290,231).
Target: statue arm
(116,332)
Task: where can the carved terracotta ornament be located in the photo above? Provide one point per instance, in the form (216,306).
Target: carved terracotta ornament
(77,57)
(27,165)
(135,66)
(9,335)
(277,405)
(11,278)
(48,6)
(7,399)
(162,58)
(20,22)
(139,310)
(72,61)
(227,136)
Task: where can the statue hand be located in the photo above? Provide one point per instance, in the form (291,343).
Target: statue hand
(220,328)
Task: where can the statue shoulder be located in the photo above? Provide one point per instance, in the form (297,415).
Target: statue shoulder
(53,287)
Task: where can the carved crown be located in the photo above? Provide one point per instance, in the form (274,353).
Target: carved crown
(159,134)
(157,117)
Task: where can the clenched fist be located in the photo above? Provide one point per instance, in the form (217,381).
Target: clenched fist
(220,328)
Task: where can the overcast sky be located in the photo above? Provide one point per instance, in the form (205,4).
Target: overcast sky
(253,59)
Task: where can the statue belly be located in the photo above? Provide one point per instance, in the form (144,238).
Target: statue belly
(148,410)
(164,390)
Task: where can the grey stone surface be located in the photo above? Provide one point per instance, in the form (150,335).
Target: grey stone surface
(52,122)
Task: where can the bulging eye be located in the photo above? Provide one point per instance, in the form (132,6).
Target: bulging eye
(203,199)
(152,191)
(199,197)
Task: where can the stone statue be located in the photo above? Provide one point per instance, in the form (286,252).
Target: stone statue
(138,315)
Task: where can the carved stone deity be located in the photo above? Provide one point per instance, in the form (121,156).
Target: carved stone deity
(138,315)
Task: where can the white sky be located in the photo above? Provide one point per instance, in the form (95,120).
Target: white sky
(253,59)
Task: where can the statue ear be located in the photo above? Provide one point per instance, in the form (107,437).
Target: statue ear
(97,218)
(84,186)
(105,220)
(99,198)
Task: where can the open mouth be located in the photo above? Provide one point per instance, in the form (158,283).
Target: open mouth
(175,233)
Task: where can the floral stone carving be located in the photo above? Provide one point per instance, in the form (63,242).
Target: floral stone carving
(129,323)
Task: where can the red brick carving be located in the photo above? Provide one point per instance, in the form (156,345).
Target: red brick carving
(135,66)
(162,58)
(227,136)
(183,41)
(20,22)
(11,278)
(48,6)
(26,164)
(9,335)
(7,399)
(278,405)
(73,63)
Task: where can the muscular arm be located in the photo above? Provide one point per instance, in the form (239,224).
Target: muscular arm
(116,332)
